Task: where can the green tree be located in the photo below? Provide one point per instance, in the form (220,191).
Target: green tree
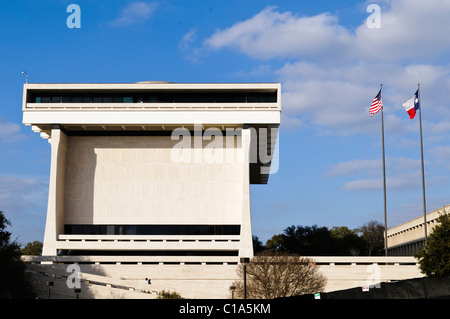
(313,240)
(318,241)
(347,242)
(307,241)
(257,245)
(14,282)
(276,243)
(373,234)
(434,258)
(34,248)
(168,295)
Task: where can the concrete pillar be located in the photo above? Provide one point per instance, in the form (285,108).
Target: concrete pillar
(55,209)
(246,225)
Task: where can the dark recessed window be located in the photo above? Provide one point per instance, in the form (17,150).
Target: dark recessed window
(152,229)
(156,97)
(75,252)
(231,98)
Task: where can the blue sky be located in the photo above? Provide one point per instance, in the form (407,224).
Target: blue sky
(328,60)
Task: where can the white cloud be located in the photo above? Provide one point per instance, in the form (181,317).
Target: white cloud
(373,166)
(10,131)
(187,39)
(18,193)
(409,29)
(290,122)
(339,97)
(403,181)
(190,52)
(23,199)
(403,163)
(442,155)
(399,182)
(135,13)
(405,32)
(338,70)
(330,73)
(402,173)
(354,167)
(442,151)
(271,34)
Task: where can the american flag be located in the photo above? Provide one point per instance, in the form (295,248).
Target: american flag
(377,104)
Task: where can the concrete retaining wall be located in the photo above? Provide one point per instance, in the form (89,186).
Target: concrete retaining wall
(125,277)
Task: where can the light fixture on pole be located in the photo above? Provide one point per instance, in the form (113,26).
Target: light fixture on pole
(26,76)
(245,261)
(232,288)
(49,284)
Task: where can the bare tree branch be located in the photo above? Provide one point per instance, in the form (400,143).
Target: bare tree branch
(275,275)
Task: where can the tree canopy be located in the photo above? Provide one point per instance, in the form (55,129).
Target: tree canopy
(321,241)
(34,248)
(13,279)
(434,257)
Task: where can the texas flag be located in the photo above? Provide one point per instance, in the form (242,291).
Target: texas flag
(412,105)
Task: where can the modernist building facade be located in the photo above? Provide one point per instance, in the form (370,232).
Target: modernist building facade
(407,238)
(154,169)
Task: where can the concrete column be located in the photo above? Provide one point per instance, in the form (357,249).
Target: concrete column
(55,209)
(246,225)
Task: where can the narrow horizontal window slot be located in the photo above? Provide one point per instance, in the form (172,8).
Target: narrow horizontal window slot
(164,230)
(94,252)
(153,96)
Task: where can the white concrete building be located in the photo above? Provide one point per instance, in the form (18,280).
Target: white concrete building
(407,238)
(155,169)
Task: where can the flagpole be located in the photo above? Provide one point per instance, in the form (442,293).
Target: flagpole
(384,176)
(423,174)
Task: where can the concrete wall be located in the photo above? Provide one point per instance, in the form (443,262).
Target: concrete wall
(138,180)
(135,180)
(201,277)
(126,277)
(350,272)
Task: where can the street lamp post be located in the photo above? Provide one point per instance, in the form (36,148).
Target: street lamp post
(245,261)
(26,76)
(77,291)
(49,284)
(232,288)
